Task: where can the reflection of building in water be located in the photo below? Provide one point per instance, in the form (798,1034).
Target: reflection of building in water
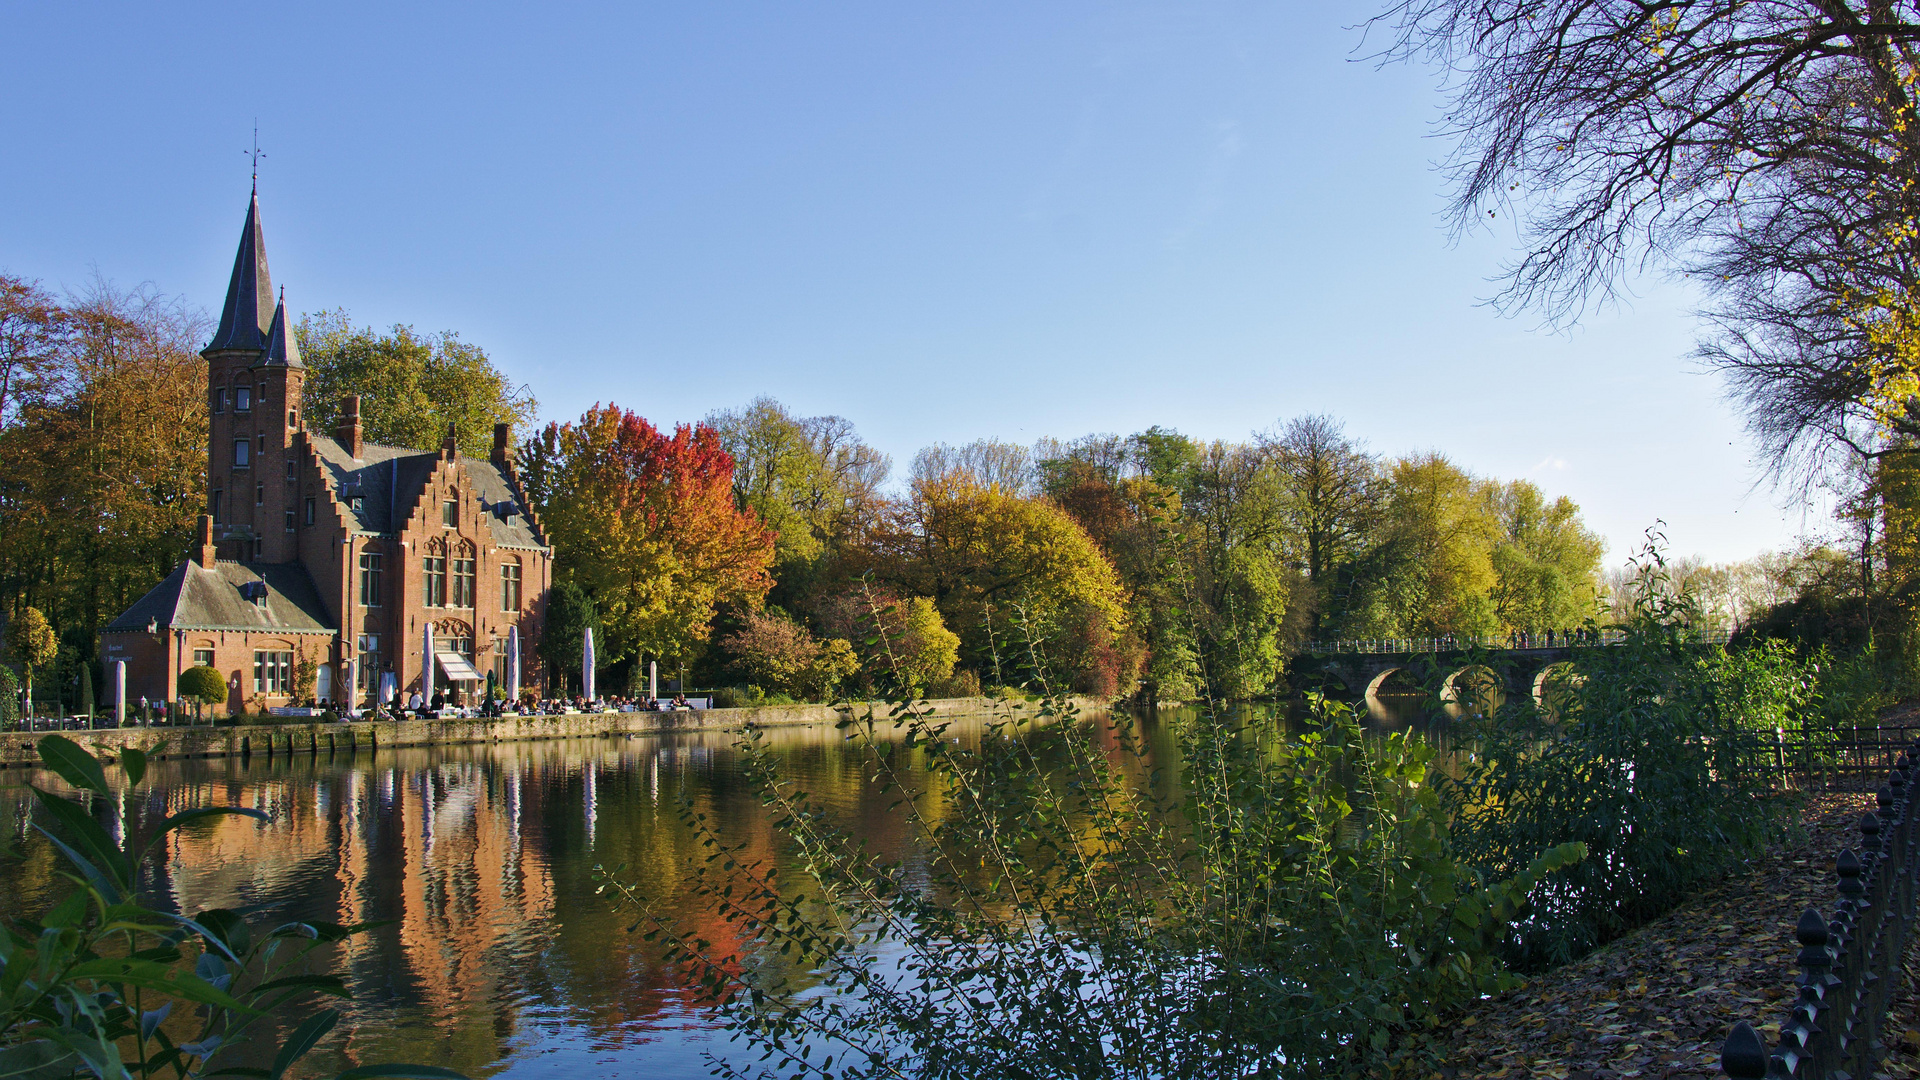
(481,861)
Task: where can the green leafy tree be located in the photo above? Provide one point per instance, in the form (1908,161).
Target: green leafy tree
(1546,564)
(9,697)
(809,479)
(570,611)
(412,386)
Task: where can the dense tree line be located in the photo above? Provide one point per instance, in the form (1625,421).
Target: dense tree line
(1109,561)
(767,550)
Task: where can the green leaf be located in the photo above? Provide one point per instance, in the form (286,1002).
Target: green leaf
(92,839)
(159,977)
(74,764)
(303,1039)
(133,763)
(37,1060)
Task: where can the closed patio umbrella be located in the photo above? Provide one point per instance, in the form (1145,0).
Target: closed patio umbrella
(426,665)
(586,665)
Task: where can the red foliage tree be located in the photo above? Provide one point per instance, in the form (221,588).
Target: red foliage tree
(646,524)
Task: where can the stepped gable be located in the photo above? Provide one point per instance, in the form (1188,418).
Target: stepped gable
(388,480)
(219,597)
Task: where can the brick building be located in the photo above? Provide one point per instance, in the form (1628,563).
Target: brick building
(329,546)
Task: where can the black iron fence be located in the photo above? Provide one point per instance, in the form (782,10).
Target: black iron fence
(1850,963)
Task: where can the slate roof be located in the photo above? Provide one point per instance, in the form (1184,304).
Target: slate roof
(248,316)
(194,597)
(282,349)
(388,479)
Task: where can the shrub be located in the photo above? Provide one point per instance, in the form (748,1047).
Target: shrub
(9,697)
(1098,948)
(203,684)
(960,684)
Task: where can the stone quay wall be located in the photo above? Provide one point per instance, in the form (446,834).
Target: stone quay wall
(17,747)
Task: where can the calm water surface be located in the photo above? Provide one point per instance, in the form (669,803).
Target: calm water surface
(497,958)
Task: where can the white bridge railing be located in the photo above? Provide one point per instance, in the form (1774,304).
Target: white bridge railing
(1559,639)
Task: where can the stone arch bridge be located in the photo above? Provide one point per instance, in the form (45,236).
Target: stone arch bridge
(1361,673)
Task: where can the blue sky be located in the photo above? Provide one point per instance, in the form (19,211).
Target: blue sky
(942,222)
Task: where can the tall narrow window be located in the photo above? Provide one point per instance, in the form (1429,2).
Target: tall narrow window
(463,582)
(436,568)
(370,578)
(259,494)
(450,514)
(242,453)
(214,499)
(309,511)
(510,585)
(369,661)
(293,418)
(242,399)
(219,400)
(293,469)
(288,515)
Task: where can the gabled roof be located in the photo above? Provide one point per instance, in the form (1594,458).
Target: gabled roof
(389,479)
(194,597)
(247,317)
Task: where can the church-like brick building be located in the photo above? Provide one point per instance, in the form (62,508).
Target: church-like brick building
(331,547)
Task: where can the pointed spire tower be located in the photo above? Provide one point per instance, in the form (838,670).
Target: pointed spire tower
(246,320)
(257,455)
(282,349)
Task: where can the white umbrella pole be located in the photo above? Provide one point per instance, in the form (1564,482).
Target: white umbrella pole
(513,663)
(426,667)
(586,665)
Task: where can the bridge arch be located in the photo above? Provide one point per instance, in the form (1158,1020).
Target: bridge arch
(1379,680)
(1473,685)
(1552,682)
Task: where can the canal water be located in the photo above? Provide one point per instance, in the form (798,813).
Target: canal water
(495,956)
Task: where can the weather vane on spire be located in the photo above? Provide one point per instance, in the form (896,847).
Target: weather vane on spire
(257,155)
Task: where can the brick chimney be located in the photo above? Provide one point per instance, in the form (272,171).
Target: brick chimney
(450,445)
(203,554)
(347,431)
(502,450)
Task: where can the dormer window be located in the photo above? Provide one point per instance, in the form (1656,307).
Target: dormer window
(242,399)
(358,503)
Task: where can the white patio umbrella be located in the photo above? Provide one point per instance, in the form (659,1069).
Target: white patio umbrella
(427,661)
(119,693)
(513,663)
(586,665)
(352,694)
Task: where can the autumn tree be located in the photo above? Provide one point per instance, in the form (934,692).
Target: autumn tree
(411,385)
(102,459)
(646,525)
(30,640)
(33,337)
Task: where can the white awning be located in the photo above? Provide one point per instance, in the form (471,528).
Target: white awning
(456,667)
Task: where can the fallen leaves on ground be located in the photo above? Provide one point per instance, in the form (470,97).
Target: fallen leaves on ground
(1659,1002)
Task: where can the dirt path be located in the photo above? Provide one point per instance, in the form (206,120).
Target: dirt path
(1659,1002)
